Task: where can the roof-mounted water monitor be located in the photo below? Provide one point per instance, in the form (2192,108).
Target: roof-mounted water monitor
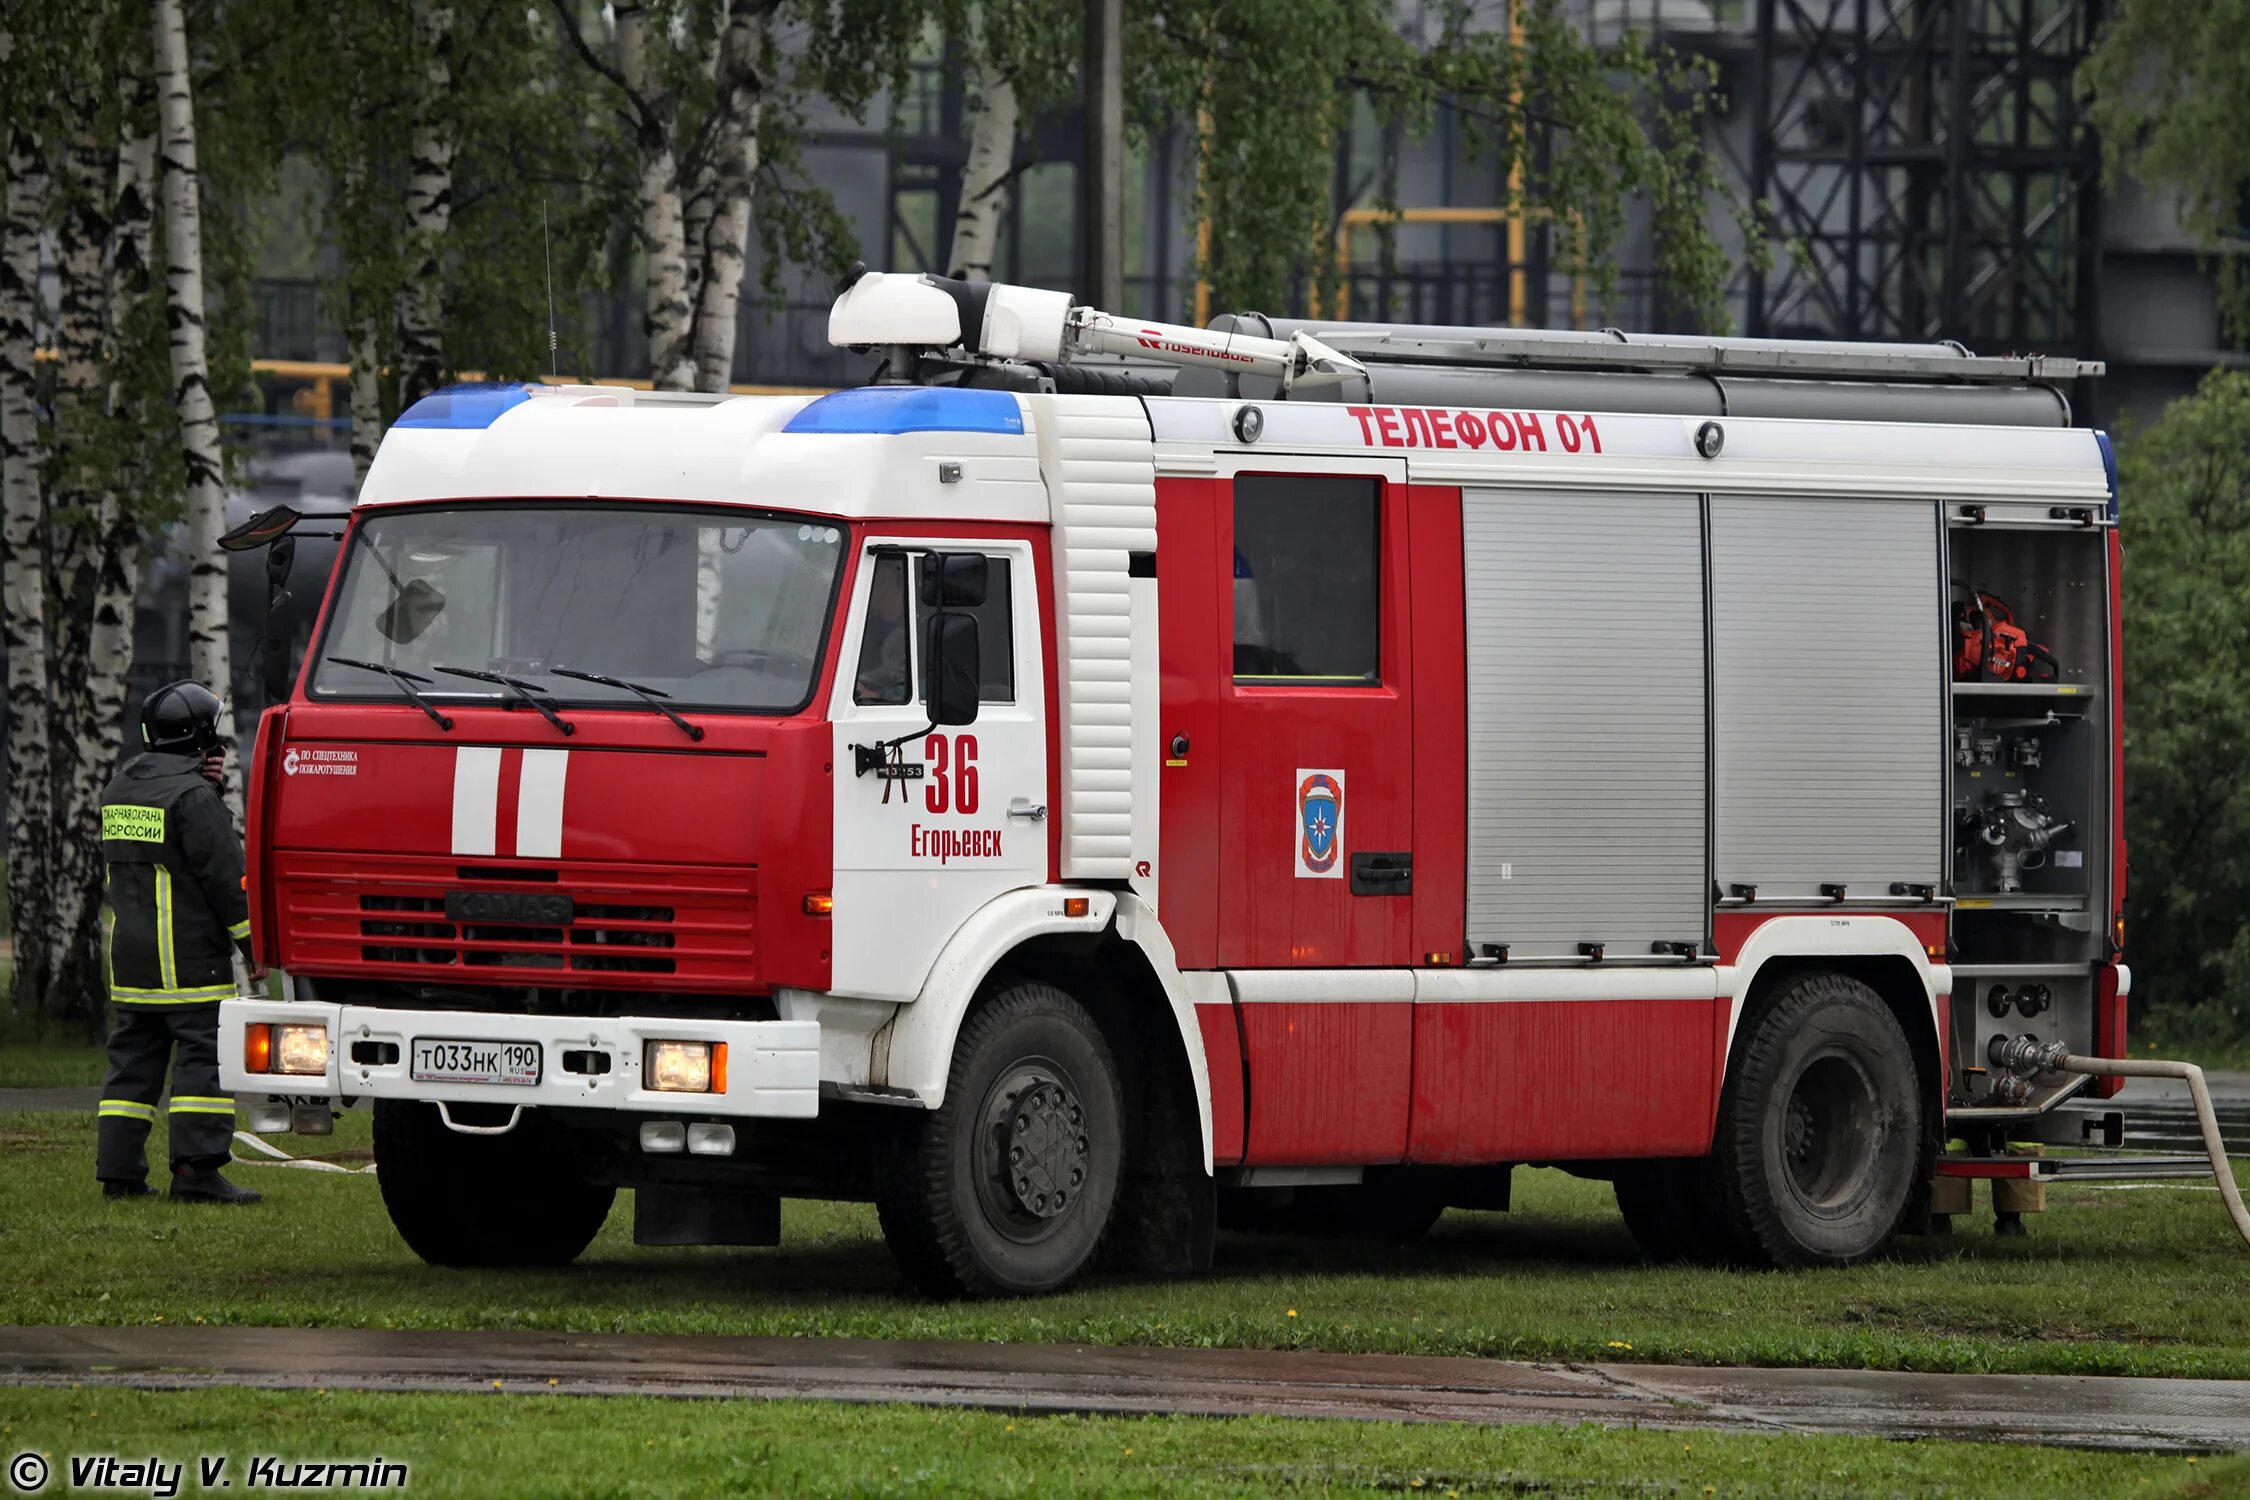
(987,322)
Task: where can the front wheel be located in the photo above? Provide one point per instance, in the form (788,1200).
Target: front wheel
(1815,1153)
(483,1200)
(1006,1190)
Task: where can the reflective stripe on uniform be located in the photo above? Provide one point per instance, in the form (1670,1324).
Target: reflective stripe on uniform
(168,973)
(202,995)
(201,1104)
(127,1109)
(240,929)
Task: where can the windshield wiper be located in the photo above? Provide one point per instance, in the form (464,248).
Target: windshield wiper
(648,695)
(405,681)
(521,689)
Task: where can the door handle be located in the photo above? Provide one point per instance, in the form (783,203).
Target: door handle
(1032,810)
(1383,873)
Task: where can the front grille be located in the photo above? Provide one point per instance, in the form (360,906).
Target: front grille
(587,944)
(688,928)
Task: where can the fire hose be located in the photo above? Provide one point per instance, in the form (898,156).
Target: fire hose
(2026,1055)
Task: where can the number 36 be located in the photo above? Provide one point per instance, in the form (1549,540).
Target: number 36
(953,773)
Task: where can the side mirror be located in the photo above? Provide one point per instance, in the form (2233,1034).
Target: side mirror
(952,658)
(264,527)
(954,580)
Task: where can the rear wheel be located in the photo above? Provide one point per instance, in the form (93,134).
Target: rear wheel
(483,1200)
(1814,1157)
(1007,1190)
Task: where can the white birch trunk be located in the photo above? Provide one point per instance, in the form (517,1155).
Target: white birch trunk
(81,489)
(725,243)
(366,391)
(701,194)
(429,207)
(117,547)
(208,652)
(667,314)
(985,177)
(364,385)
(23,589)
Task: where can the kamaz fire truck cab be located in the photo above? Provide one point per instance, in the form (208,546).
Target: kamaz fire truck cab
(1299,776)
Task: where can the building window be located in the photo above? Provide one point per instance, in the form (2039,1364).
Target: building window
(1307,571)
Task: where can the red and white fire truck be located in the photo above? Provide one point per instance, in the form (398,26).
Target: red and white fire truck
(1108,777)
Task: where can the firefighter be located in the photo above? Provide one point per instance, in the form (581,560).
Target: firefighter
(178,914)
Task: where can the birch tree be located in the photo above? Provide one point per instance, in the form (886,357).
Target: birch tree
(1021,55)
(80,753)
(429,205)
(709,105)
(666,311)
(985,178)
(200,456)
(722,247)
(23,593)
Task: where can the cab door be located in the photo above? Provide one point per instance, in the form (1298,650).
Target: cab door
(953,816)
(1315,837)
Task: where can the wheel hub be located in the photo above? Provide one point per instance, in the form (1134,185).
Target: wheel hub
(1044,1148)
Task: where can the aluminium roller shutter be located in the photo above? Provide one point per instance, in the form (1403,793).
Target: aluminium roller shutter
(1586,756)
(1829,678)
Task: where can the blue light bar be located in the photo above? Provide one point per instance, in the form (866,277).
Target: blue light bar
(463,407)
(910,408)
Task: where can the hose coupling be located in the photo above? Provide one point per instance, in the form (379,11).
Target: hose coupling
(2025,1054)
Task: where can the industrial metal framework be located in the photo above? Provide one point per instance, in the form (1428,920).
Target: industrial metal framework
(1925,165)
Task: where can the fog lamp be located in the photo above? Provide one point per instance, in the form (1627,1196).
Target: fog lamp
(687,1067)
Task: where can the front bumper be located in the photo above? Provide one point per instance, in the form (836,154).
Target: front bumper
(773,1066)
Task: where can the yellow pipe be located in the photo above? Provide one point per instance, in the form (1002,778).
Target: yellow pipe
(1361,218)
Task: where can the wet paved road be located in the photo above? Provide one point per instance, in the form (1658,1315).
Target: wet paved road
(2170,1415)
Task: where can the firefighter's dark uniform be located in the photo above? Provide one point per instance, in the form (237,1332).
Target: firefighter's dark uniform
(178,914)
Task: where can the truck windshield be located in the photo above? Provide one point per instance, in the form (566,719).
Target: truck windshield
(710,609)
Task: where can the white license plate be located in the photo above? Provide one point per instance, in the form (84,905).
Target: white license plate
(440,1060)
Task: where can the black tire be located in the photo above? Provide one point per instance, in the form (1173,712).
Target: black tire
(1813,1160)
(1670,1210)
(483,1200)
(1033,1086)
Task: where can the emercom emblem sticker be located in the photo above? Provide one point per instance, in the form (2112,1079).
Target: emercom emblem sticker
(1320,824)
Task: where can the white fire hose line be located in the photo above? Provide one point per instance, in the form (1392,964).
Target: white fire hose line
(2222,1171)
(279,1158)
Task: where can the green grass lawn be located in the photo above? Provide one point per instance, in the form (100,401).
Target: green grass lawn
(2146,1282)
(38,1055)
(555,1445)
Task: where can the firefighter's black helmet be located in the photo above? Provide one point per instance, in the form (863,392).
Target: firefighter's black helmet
(181,718)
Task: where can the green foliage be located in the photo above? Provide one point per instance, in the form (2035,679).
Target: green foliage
(1582,128)
(2185,486)
(2169,87)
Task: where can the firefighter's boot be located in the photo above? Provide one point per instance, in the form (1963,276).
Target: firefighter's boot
(127,1188)
(205,1185)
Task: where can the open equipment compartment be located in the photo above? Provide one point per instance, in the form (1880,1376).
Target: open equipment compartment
(2031,708)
